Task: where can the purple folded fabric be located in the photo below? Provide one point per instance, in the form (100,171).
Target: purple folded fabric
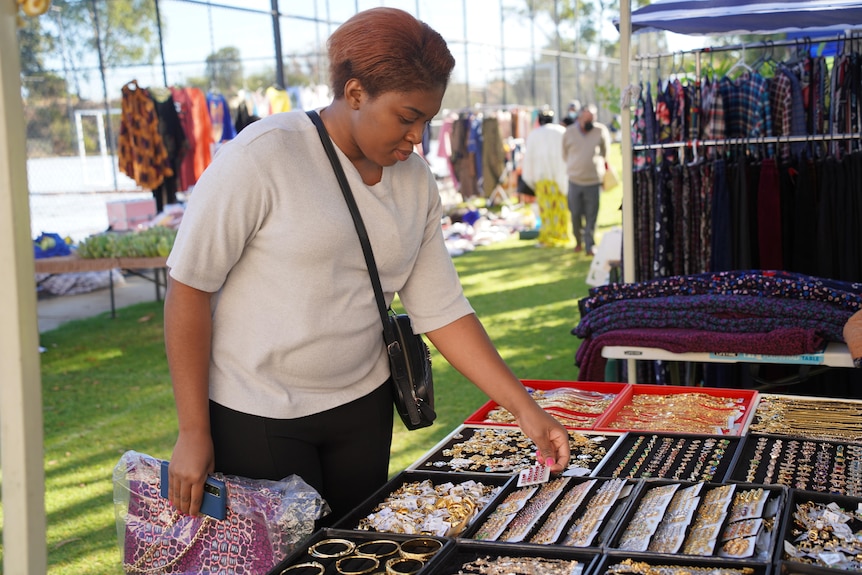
(759,283)
(782,341)
(719,313)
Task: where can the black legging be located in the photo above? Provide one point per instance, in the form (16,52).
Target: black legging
(342,452)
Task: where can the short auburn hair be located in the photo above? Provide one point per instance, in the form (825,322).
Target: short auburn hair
(388,50)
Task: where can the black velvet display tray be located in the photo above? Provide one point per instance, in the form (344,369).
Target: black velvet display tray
(510,451)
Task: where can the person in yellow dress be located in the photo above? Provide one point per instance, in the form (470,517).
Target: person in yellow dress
(544,170)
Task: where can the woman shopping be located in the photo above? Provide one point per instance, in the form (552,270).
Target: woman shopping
(272,331)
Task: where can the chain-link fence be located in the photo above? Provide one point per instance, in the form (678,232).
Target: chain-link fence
(77,57)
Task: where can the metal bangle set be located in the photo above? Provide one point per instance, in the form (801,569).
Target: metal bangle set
(405,558)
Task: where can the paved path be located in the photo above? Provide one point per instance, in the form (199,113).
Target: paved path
(57,310)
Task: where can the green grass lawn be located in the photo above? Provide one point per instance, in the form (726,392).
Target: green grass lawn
(106,387)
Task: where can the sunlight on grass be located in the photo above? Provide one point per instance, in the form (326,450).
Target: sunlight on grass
(502,281)
(85,360)
(115,420)
(538,319)
(82,487)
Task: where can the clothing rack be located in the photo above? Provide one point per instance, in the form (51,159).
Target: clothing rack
(480,107)
(764,44)
(490,184)
(736,141)
(836,354)
(853,37)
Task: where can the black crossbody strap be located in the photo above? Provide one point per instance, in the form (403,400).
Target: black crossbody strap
(388,332)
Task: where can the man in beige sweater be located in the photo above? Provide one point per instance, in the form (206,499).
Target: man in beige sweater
(585,149)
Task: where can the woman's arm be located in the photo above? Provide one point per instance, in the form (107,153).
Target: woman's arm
(188,333)
(465,344)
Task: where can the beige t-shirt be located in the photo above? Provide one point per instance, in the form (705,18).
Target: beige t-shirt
(585,153)
(296,329)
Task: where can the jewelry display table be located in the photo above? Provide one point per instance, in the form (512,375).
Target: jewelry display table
(834,355)
(645,498)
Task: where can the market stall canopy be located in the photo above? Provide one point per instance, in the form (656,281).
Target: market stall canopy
(702,17)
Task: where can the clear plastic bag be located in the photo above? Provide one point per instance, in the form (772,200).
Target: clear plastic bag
(265,520)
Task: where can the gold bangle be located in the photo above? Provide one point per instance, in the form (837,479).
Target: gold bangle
(388,546)
(308,565)
(371,563)
(342,547)
(421,548)
(403,566)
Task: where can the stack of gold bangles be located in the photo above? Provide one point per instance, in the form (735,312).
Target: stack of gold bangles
(405,558)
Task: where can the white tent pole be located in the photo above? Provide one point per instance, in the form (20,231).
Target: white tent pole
(21,445)
(626,149)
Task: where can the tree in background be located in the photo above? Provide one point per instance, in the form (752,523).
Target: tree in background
(48,119)
(127,31)
(35,43)
(224,70)
(572,43)
(66,39)
(128,28)
(299,70)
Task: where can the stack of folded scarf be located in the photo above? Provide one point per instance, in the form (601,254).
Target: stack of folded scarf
(753,311)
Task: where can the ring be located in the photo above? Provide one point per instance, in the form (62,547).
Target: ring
(308,565)
(341,548)
(379,548)
(371,563)
(403,566)
(421,548)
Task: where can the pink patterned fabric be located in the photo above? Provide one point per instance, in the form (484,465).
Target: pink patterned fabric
(264,522)
(238,544)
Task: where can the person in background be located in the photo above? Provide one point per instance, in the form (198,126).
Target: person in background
(272,331)
(572,113)
(544,170)
(585,149)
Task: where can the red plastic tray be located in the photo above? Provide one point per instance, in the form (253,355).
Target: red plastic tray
(748,397)
(479,416)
